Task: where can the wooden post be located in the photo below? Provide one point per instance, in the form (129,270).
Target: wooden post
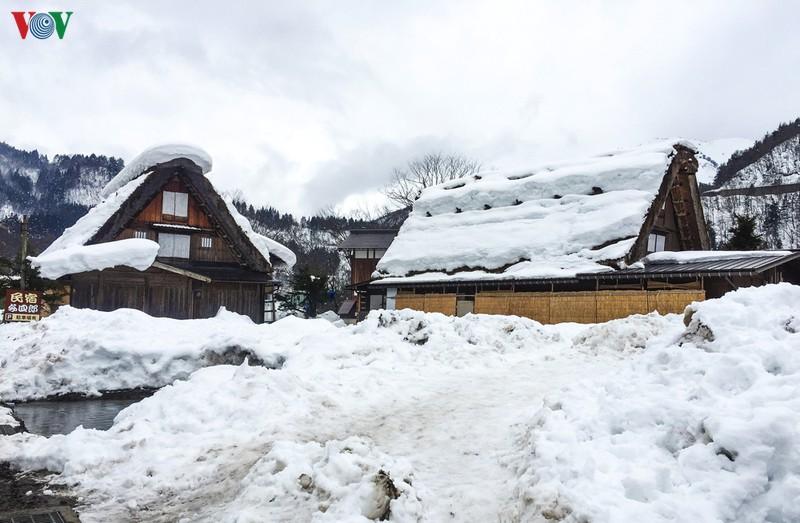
(23,252)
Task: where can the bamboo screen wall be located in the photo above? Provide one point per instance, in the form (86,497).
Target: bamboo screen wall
(556,307)
(444,303)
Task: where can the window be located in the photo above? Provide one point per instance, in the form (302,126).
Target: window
(465,305)
(140,234)
(173,245)
(656,242)
(175,204)
(362,254)
(206,242)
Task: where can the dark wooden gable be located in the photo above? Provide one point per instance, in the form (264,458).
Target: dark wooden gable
(680,193)
(209,201)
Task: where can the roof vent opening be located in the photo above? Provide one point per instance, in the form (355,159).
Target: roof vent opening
(597,190)
(517,202)
(458,210)
(556,196)
(486,207)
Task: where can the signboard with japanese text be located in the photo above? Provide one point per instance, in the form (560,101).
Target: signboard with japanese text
(22,305)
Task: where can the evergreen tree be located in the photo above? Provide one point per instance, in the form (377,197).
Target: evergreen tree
(307,290)
(743,235)
(772,225)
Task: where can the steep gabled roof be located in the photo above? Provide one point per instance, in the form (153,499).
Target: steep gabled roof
(129,194)
(555,221)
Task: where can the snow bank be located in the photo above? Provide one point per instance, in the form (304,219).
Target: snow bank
(153,156)
(230,444)
(86,351)
(553,221)
(133,252)
(702,427)
(6,418)
(406,411)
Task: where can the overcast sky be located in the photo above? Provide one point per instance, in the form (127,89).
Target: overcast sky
(307,104)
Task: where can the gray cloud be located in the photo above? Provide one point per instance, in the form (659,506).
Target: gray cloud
(302,105)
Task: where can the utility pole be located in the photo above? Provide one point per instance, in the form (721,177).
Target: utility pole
(23,251)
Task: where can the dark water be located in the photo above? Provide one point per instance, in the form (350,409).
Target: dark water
(63,416)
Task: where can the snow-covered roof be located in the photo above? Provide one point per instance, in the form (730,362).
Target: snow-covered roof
(153,156)
(65,256)
(555,220)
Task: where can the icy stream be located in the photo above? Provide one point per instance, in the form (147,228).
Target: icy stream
(48,417)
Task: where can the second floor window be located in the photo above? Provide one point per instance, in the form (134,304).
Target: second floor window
(173,245)
(205,242)
(656,242)
(140,234)
(175,204)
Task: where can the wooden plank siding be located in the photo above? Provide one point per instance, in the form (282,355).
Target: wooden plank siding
(163,294)
(557,307)
(152,212)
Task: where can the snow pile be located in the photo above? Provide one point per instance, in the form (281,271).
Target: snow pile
(407,411)
(86,351)
(554,221)
(229,444)
(6,418)
(333,481)
(702,427)
(153,156)
(133,252)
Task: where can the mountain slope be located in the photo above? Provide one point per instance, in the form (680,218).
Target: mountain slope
(762,181)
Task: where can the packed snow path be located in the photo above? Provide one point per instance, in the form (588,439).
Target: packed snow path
(457,431)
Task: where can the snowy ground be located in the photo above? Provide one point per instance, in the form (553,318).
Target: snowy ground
(483,418)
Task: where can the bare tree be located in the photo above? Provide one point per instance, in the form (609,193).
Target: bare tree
(431,169)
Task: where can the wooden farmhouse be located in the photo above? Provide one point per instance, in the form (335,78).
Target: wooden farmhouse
(202,254)
(582,241)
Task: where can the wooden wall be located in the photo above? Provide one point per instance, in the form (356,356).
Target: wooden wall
(164,294)
(557,307)
(361,269)
(152,212)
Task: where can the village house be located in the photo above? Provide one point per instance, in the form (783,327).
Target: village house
(164,241)
(364,249)
(583,241)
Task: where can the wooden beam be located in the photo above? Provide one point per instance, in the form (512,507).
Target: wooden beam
(182,272)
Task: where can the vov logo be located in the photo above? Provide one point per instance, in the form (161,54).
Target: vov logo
(42,25)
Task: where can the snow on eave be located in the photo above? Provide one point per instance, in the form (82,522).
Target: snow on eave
(133,252)
(153,156)
(695,256)
(263,244)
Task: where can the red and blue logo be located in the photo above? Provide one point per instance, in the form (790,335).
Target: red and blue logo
(42,25)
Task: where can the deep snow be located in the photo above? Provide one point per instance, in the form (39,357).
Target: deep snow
(481,418)
(699,428)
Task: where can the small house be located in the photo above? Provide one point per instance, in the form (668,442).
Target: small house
(164,241)
(364,249)
(583,241)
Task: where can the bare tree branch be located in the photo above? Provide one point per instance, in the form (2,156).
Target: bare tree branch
(432,169)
